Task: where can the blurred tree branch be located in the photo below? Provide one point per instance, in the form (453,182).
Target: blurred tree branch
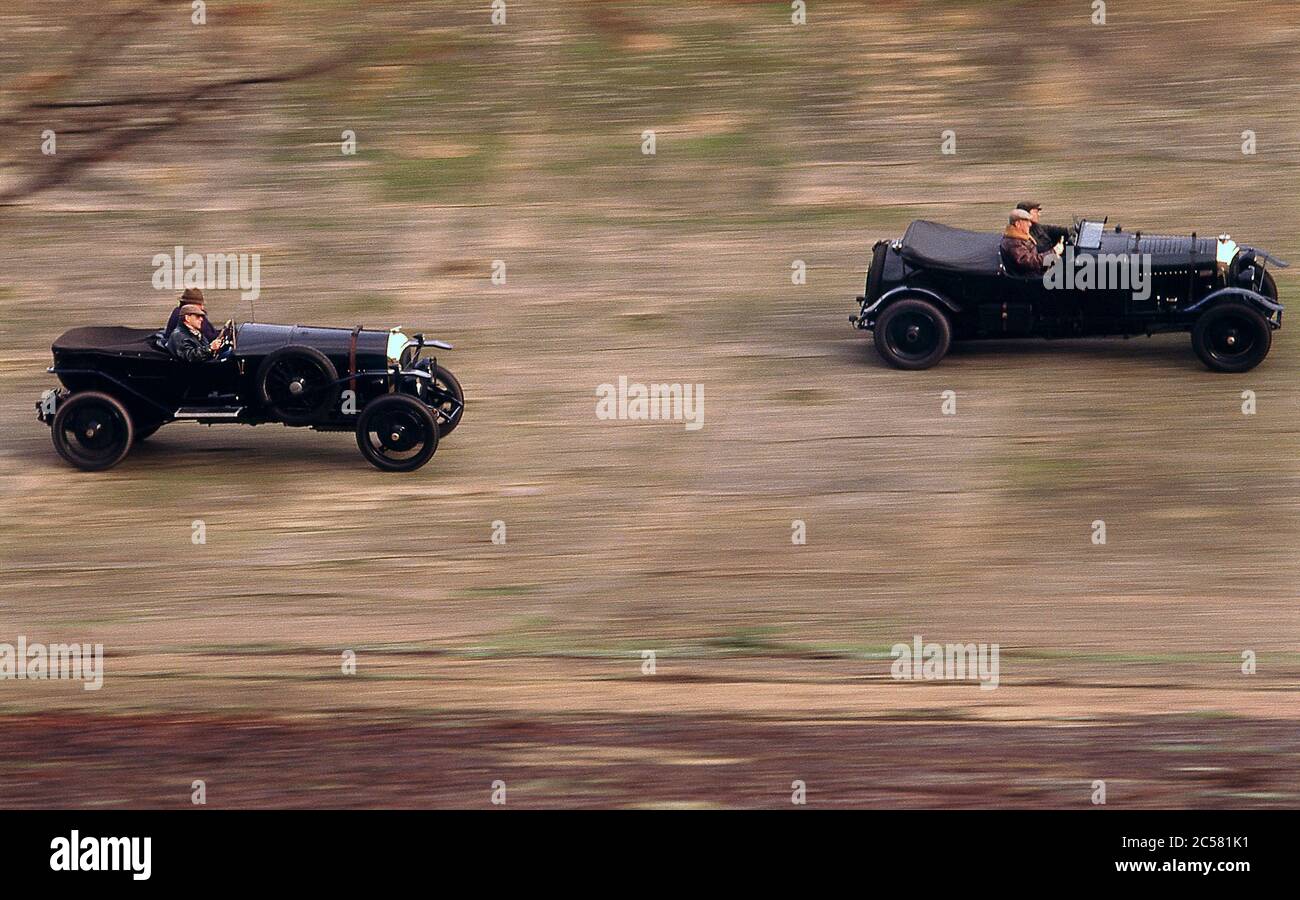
(113,124)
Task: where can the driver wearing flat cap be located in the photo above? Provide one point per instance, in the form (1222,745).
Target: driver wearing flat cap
(1045,236)
(1018,248)
(186,341)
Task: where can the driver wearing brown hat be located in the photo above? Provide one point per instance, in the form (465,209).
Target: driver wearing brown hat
(186,341)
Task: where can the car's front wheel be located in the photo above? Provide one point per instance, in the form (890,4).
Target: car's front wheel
(397,433)
(913,333)
(1232,337)
(93,431)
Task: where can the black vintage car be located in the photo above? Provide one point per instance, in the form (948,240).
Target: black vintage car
(939,284)
(120,385)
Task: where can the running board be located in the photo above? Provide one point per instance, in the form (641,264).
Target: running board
(208,412)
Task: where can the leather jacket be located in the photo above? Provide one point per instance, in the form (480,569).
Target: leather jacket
(187,346)
(1045,236)
(1023,255)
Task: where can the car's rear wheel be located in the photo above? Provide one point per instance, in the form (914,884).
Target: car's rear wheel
(298,385)
(449,413)
(92,431)
(397,433)
(1232,337)
(913,333)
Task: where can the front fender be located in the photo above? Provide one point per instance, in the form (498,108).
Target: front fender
(1267,306)
(1267,257)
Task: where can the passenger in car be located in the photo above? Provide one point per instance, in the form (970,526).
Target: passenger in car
(195,296)
(1019,253)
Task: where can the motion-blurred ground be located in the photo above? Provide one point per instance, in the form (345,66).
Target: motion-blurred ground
(523,662)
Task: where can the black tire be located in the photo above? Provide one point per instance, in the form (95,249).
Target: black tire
(397,433)
(1232,337)
(913,334)
(298,385)
(92,431)
(448,418)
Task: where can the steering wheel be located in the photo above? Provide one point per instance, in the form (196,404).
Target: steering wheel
(227,336)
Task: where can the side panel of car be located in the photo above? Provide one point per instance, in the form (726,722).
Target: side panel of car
(1004,305)
(149,387)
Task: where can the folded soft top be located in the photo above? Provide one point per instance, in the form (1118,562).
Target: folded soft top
(938,246)
(109,339)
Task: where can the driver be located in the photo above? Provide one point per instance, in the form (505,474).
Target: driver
(1019,250)
(186,342)
(191,295)
(1044,235)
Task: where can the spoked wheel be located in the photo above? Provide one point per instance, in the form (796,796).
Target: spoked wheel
(1232,337)
(298,384)
(92,431)
(451,408)
(913,334)
(397,433)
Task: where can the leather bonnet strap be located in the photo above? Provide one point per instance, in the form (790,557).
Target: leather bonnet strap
(352,361)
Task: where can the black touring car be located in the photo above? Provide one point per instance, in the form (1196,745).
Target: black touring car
(939,284)
(120,385)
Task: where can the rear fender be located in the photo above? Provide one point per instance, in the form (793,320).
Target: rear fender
(902,291)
